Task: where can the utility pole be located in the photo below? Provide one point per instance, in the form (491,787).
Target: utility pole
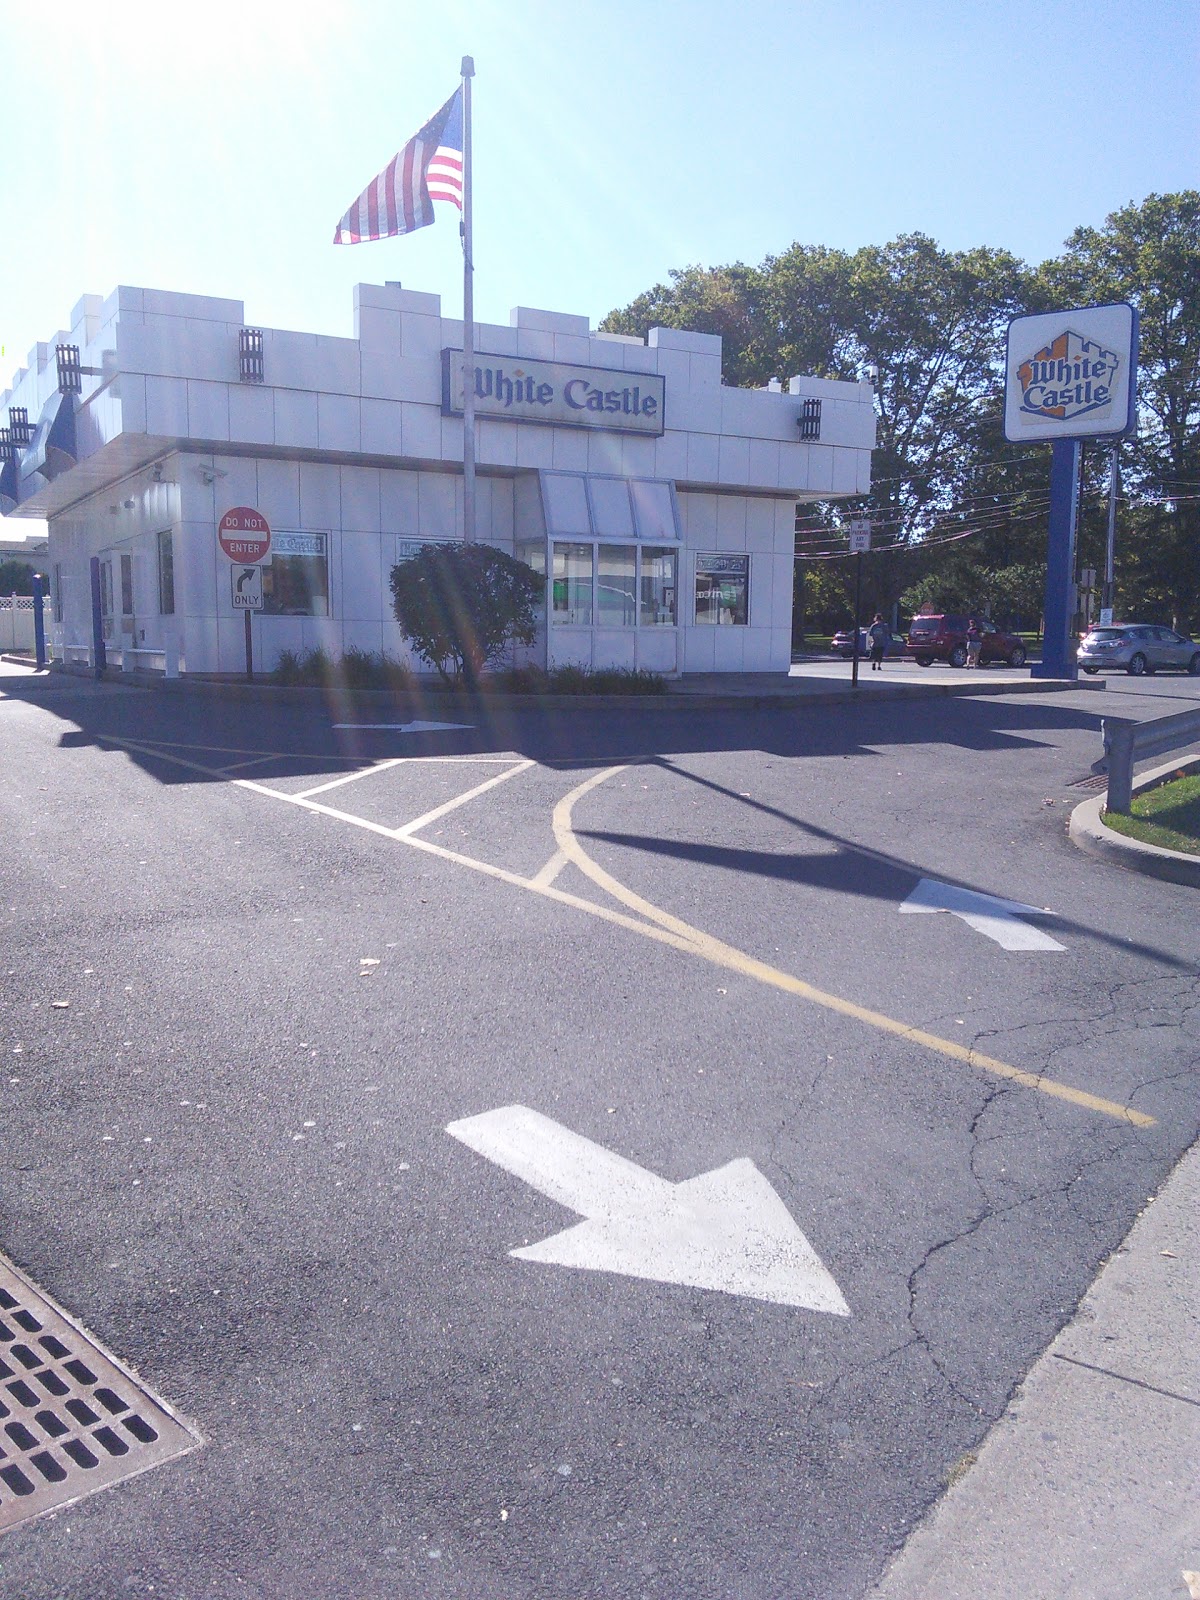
(1108,601)
(860,540)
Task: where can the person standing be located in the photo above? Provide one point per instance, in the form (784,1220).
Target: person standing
(974,642)
(878,637)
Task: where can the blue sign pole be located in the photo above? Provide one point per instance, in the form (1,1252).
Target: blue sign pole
(39,621)
(1058,651)
(99,654)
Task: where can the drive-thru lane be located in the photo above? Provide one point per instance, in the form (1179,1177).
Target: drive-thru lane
(229,1153)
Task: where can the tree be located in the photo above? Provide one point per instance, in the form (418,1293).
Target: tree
(16,577)
(461,605)
(927,326)
(720,300)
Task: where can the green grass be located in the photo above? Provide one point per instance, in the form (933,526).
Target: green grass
(1168,816)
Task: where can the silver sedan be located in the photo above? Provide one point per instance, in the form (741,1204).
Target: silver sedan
(1138,647)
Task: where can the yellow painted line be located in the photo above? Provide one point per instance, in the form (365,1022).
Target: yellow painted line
(660,925)
(550,871)
(725,955)
(502,875)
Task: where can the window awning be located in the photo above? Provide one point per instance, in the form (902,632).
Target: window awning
(592,505)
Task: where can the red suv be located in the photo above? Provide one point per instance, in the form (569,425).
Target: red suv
(944,638)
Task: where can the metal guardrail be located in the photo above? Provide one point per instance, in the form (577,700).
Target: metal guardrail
(1126,741)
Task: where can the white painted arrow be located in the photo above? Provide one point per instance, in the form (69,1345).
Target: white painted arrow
(986,913)
(726,1229)
(405,727)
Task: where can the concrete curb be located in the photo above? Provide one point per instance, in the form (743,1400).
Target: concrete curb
(1092,836)
(1085,1487)
(676,698)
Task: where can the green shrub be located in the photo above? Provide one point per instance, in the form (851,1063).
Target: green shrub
(621,680)
(461,605)
(289,669)
(357,669)
(578,680)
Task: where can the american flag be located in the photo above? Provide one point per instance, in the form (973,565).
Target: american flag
(399,200)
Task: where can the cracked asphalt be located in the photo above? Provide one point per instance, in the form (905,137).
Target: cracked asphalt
(225,1154)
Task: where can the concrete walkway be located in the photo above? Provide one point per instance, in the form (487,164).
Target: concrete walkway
(1089,1487)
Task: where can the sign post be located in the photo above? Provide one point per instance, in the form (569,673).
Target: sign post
(245,537)
(860,540)
(1070,376)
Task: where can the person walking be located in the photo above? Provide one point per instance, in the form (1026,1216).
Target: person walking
(974,642)
(878,637)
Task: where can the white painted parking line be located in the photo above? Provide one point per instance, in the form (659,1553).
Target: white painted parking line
(995,918)
(726,1230)
(651,922)
(418,823)
(351,777)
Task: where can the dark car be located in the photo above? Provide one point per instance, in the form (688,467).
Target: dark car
(842,644)
(944,638)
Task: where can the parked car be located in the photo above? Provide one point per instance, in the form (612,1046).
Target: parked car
(842,644)
(944,638)
(1138,647)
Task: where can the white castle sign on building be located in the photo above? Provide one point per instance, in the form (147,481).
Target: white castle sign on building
(558,392)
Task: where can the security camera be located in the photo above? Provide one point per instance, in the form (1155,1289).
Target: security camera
(210,474)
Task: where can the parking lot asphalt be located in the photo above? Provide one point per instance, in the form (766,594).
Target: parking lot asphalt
(288,958)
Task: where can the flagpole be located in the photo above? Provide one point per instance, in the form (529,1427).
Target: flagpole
(468,72)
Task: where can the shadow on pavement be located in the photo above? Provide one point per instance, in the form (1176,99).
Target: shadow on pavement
(185,739)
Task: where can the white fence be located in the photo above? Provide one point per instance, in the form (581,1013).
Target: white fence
(16,621)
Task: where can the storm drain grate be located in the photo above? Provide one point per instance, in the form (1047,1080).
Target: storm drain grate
(72,1419)
(1093,783)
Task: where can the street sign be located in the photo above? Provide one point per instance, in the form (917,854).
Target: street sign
(244,535)
(246,583)
(1087,578)
(860,535)
(726,1229)
(1106,616)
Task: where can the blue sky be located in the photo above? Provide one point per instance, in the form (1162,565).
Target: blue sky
(214,150)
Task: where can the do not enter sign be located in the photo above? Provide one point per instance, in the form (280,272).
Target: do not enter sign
(243,534)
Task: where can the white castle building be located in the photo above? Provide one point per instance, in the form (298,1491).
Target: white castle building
(659,502)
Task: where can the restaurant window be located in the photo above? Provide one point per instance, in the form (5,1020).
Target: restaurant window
(126,585)
(166,575)
(658,587)
(295,581)
(534,555)
(616,585)
(722,590)
(573,584)
(57,592)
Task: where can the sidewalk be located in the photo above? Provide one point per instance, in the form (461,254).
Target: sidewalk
(808,683)
(1088,1488)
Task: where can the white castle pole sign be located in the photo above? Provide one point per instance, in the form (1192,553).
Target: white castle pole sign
(1069,376)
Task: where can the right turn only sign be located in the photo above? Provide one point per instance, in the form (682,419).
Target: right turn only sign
(247,588)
